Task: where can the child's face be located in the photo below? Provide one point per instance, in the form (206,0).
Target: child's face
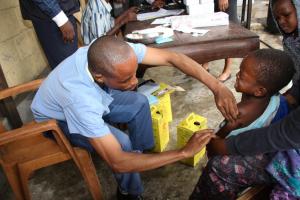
(286,15)
(246,79)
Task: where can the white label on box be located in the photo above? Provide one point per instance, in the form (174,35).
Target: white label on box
(200,9)
(191,2)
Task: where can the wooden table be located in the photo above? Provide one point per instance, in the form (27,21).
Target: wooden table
(232,41)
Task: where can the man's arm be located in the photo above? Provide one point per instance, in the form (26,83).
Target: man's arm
(120,161)
(279,136)
(224,98)
(127,16)
(53,10)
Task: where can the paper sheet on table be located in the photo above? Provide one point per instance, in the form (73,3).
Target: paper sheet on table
(160,13)
(213,19)
(197,32)
(165,20)
(167,32)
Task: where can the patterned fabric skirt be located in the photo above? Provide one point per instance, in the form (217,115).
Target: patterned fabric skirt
(225,177)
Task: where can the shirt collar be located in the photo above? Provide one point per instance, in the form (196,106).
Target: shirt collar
(89,73)
(106,5)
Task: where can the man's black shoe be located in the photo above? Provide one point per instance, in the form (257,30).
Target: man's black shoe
(126,196)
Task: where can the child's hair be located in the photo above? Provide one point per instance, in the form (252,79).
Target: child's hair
(274,69)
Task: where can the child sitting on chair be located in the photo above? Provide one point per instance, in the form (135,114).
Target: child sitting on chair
(287,14)
(262,74)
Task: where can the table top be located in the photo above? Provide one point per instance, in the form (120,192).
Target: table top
(230,41)
(216,33)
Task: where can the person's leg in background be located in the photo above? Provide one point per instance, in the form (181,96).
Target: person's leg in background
(225,176)
(51,40)
(133,109)
(232,12)
(226,73)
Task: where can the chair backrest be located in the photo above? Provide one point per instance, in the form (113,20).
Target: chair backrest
(33,128)
(19,89)
(16,90)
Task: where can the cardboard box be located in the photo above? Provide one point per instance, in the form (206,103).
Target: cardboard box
(164,102)
(191,2)
(185,130)
(160,129)
(201,9)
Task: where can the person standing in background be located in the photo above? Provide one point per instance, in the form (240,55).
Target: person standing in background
(230,7)
(98,21)
(55,26)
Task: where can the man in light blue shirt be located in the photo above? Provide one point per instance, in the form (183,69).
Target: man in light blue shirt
(92,89)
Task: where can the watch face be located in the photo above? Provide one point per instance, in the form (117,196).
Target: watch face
(221,125)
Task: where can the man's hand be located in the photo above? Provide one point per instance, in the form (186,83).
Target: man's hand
(68,32)
(223,5)
(226,103)
(158,4)
(197,142)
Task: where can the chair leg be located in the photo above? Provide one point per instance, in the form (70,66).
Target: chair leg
(12,175)
(88,172)
(25,172)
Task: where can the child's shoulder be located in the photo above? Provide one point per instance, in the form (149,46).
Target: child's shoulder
(248,112)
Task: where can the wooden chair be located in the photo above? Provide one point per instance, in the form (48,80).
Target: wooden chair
(24,150)
(259,192)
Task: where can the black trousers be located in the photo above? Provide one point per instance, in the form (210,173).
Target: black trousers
(51,40)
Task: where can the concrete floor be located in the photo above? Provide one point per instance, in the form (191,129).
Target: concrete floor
(175,181)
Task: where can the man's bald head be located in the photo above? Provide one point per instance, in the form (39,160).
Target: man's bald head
(105,53)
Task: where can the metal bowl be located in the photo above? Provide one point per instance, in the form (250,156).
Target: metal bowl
(147,38)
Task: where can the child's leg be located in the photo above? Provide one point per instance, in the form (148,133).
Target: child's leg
(225,176)
(226,71)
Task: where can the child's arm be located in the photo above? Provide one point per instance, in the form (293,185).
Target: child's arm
(217,145)
(244,119)
(228,127)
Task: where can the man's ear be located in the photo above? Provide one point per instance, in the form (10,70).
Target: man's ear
(260,91)
(98,78)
